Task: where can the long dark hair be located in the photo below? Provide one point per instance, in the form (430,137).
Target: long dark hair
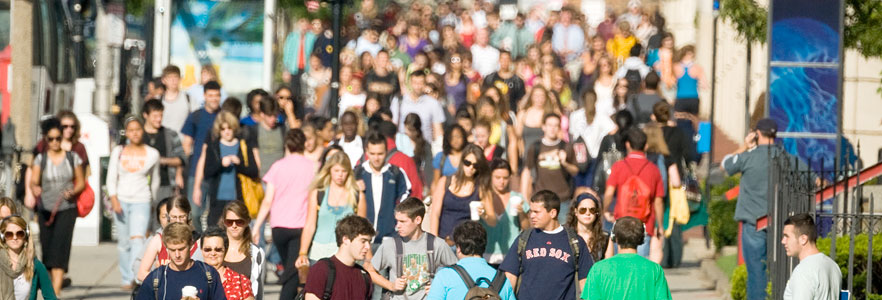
(598,240)
(481,178)
(413,122)
(445,145)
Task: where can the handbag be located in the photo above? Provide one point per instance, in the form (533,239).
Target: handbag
(85,201)
(692,186)
(252,190)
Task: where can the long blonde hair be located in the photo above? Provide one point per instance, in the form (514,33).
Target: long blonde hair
(655,139)
(28,251)
(323,178)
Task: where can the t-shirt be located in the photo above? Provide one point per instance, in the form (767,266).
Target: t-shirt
(448,168)
(649,175)
(414,263)
(226,187)
(626,276)
(592,134)
(513,87)
(289,199)
(427,108)
(550,174)
(271,144)
(349,283)
(385,86)
(753,165)
(176,112)
(198,127)
(348,101)
(449,285)
(354,149)
(640,106)
(547,265)
(485,60)
(56,179)
(171,282)
(816,277)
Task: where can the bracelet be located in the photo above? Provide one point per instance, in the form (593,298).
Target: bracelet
(302,253)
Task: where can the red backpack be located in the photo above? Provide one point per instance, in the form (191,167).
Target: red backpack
(634,196)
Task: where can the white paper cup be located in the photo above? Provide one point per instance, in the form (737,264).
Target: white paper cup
(474,205)
(514,205)
(189,291)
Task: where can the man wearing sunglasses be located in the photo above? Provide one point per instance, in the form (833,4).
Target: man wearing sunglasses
(182,273)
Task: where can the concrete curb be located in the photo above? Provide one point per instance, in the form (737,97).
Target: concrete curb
(713,273)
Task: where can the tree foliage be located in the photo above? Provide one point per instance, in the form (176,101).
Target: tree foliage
(863,20)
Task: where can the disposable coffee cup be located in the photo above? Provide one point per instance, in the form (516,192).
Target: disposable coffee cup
(514,205)
(474,206)
(189,291)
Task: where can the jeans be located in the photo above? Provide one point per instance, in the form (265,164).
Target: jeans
(287,240)
(753,246)
(131,229)
(196,210)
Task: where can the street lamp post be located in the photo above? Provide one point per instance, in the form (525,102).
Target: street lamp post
(337,15)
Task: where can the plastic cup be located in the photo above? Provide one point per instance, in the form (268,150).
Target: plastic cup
(514,205)
(474,205)
(189,291)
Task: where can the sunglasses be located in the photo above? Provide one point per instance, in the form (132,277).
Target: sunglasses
(468,163)
(209,249)
(53,139)
(455,60)
(583,210)
(238,222)
(284,97)
(17,234)
(68,126)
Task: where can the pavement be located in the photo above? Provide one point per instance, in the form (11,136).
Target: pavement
(95,274)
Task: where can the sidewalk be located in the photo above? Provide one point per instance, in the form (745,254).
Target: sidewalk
(95,275)
(688,281)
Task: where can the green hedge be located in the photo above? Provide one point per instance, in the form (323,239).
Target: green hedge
(739,276)
(721,225)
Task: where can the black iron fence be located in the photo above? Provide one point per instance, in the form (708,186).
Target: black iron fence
(837,201)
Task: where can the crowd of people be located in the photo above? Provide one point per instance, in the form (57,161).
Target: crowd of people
(535,154)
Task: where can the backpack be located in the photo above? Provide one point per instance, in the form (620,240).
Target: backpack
(635,81)
(491,292)
(329,283)
(634,196)
(573,239)
(399,259)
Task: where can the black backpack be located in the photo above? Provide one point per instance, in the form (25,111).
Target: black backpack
(635,81)
(476,292)
(329,283)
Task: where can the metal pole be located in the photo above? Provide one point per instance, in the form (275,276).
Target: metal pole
(870,234)
(103,65)
(269,32)
(747,91)
(710,153)
(337,12)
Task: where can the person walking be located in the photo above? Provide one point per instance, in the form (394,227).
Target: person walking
(333,195)
(225,158)
(171,152)
(510,213)
(215,245)
(175,210)
(182,272)
(195,131)
(383,186)
(132,166)
(548,261)
(287,200)
(22,275)
(242,256)
(451,204)
(470,239)
(627,275)
(350,280)
(57,178)
(817,276)
(585,220)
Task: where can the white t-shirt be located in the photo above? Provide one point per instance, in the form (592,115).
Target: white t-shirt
(815,277)
(175,112)
(348,100)
(485,60)
(593,133)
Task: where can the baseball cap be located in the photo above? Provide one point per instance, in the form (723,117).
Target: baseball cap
(767,126)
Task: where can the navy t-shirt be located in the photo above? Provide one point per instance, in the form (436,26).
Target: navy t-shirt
(171,282)
(198,126)
(548,266)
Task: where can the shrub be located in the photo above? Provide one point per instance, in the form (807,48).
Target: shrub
(739,283)
(722,226)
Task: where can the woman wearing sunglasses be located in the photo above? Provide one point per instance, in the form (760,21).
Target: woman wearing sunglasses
(214,248)
(57,180)
(24,274)
(70,136)
(471,183)
(333,196)
(585,220)
(242,256)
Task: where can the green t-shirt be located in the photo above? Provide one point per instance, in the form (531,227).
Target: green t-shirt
(626,276)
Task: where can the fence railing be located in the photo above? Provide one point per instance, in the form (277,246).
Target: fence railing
(795,187)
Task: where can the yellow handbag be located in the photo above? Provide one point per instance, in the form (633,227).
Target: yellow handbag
(679,212)
(252,190)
